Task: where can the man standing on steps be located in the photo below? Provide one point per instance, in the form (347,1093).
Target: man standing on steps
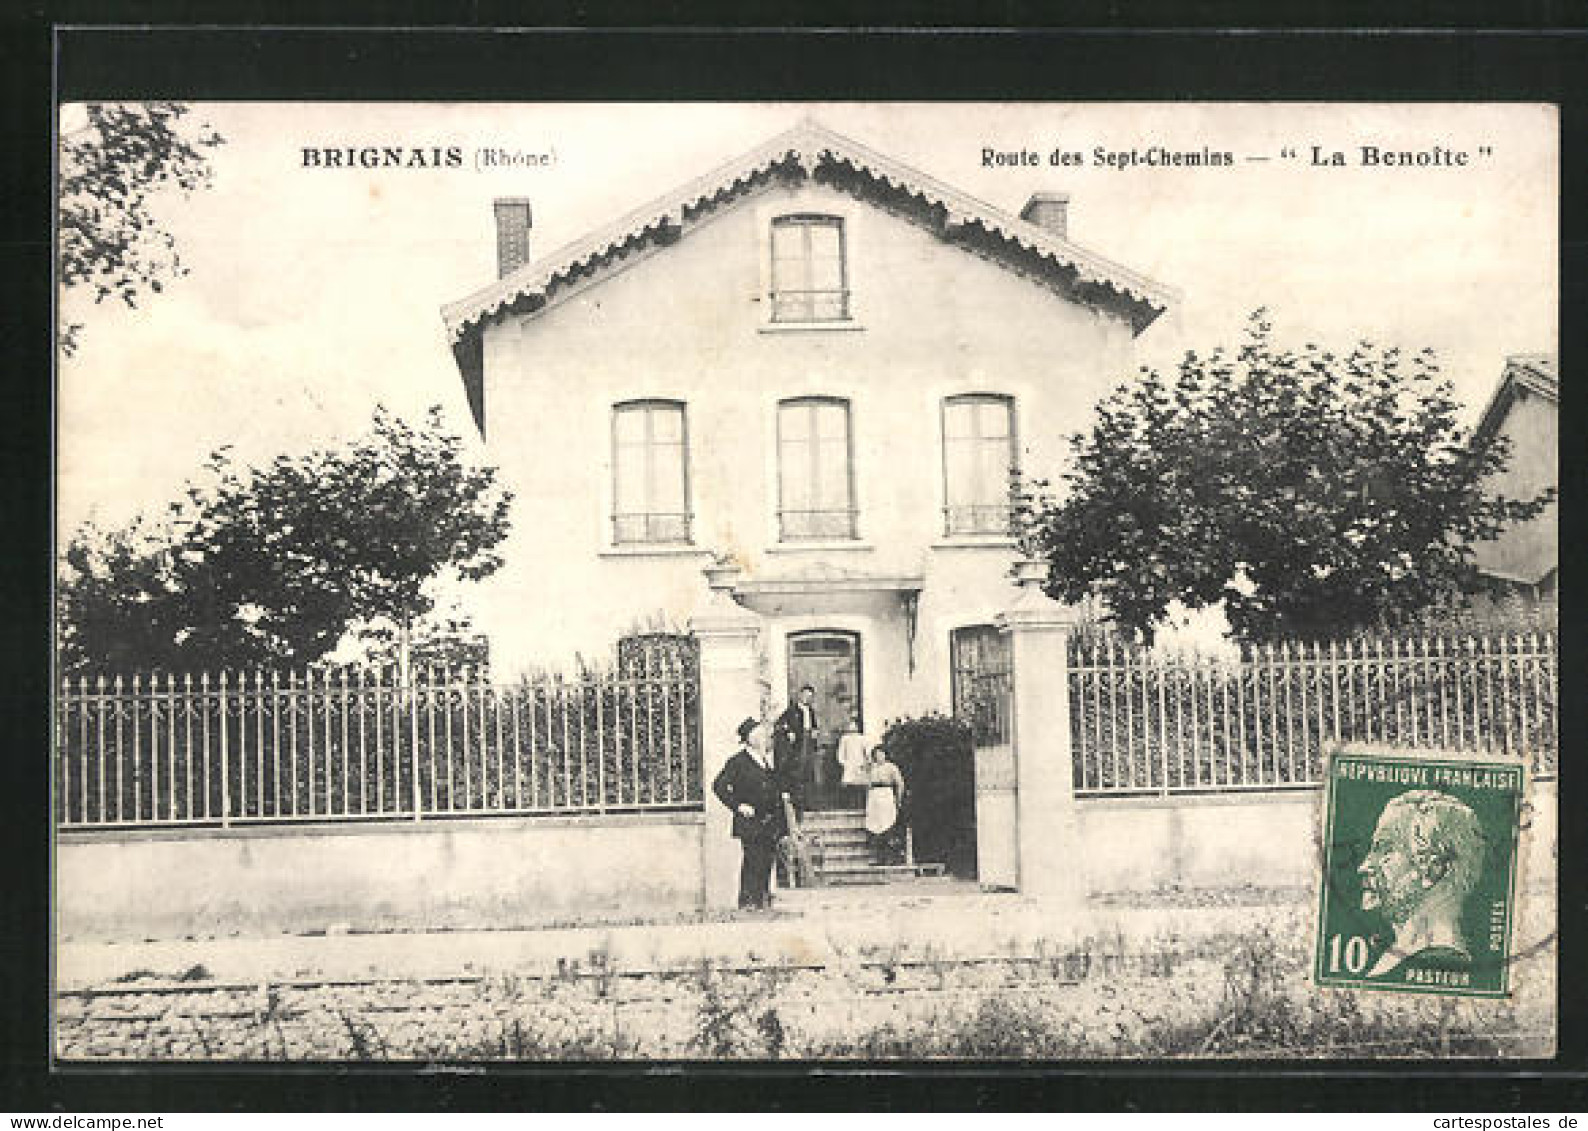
(750,788)
(795,747)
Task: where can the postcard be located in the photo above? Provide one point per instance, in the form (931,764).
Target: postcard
(808,581)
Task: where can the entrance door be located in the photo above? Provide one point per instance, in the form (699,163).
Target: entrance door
(829,661)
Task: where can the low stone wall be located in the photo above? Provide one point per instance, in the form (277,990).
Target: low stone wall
(1267,839)
(502,872)
(1218,840)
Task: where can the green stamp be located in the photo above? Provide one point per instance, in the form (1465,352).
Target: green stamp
(1419,872)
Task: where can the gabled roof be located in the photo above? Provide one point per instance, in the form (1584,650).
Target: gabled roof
(808,149)
(1524,373)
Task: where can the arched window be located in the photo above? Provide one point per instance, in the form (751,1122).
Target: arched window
(650,472)
(809,275)
(980,458)
(816,490)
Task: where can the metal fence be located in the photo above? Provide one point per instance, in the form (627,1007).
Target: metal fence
(358,745)
(1145,723)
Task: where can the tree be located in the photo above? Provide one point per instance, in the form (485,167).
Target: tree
(279,563)
(109,170)
(116,602)
(1311,494)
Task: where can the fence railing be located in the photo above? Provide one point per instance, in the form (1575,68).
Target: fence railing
(1145,723)
(358,745)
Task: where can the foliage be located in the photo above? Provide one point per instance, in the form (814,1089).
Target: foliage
(277,563)
(736,1017)
(117,606)
(1498,611)
(658,652)
(1309,493)
(440,640)
(936,755)
(109,170)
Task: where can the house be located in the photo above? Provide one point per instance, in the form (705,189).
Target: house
(814,362)
(1525,408)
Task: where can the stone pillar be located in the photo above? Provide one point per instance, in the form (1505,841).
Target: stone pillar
(1051,866)
(728,693)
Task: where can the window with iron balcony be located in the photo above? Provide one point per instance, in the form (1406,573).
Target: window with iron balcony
(810,277)
(979,464)
(650,462)
(816,490)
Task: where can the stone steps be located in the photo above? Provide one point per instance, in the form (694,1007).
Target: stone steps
(846,854)
(869,873)
(834,818)
(836,853)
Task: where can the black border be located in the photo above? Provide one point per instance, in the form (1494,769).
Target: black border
(678,59)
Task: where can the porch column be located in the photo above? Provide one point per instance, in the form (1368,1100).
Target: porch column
(1050,863)
(729,692)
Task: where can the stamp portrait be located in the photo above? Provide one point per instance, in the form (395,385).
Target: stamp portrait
(1419,868)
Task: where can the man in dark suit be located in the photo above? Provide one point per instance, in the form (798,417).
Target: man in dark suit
(749,786)
(795,747)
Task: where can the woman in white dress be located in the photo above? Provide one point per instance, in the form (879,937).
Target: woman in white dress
(884,796)
(855,761)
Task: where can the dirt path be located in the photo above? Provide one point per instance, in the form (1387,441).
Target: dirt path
(958,925)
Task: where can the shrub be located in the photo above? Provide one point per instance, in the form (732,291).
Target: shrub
(648,654)
(937,757)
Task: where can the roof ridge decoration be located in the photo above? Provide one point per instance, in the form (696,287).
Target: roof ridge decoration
(810,144)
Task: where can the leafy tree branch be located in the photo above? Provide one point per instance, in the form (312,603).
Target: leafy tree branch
(1308,492)
(277,564)
(110,170)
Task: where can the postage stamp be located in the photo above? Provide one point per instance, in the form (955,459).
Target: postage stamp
(1418,884)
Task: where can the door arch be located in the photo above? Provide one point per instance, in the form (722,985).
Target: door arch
(829,660)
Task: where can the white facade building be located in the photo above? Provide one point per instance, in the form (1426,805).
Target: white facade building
(814,362)
(1525,410)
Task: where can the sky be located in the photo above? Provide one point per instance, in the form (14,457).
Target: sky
(314,293)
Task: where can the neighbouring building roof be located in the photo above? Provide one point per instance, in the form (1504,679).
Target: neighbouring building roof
(1525,553)
(1524,373)
(809,150)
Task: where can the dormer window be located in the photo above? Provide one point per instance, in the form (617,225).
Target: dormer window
(810,280)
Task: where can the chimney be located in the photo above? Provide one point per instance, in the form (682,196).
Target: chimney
(512,234)
(1049,210)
